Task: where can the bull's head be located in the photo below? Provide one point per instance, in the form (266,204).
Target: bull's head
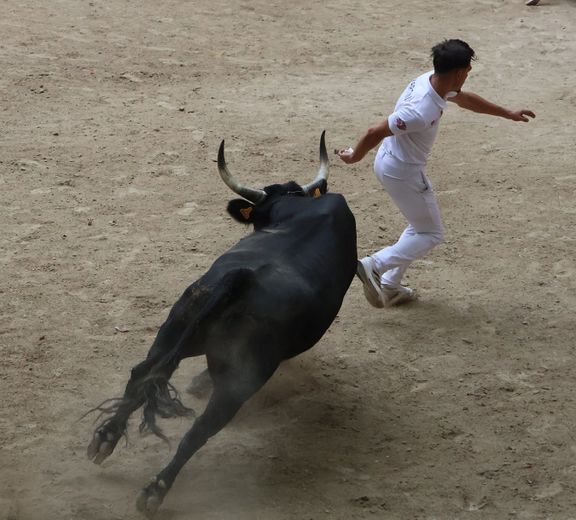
(242,210)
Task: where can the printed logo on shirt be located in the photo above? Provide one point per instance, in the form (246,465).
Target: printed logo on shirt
(400,124)
(410,91)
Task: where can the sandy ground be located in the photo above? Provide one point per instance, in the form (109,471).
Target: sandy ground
(460,406)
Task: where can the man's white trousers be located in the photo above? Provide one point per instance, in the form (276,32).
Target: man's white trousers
(412,192)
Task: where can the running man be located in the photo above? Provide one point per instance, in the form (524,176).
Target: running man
(406,138)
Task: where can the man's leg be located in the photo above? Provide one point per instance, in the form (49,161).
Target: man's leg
(417,202)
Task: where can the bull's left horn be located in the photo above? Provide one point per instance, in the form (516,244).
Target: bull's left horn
(323,171)
(251,194)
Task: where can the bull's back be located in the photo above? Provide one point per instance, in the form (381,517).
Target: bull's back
(302,270)
(317,247)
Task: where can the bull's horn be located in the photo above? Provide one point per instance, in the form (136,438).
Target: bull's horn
(323,171)
(254,196)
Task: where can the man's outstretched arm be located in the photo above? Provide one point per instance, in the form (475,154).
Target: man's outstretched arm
(476,103)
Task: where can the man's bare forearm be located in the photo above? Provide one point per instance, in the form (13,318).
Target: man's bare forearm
(369,140)
(476,103)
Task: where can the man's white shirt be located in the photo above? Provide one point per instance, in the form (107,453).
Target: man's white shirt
(414,123)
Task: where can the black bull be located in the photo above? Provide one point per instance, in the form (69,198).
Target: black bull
(270,297)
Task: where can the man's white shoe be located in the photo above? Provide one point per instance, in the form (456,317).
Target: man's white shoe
(371,281)
(398,295)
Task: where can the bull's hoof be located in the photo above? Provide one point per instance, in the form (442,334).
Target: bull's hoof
(151,497)
(102,445)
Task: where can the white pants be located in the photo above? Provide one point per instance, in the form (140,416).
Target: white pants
(412,192)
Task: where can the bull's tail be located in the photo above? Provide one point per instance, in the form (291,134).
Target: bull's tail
(148,388)
(149,384)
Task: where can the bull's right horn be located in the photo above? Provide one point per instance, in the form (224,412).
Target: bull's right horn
(251,194)
(322,172)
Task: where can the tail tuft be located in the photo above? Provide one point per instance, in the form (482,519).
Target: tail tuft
(162,400)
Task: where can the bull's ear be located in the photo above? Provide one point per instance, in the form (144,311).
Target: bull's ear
(318,189)
(241,210)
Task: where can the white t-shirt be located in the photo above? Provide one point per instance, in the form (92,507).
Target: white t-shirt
(414,123)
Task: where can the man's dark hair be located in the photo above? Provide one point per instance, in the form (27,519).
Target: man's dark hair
(451,54)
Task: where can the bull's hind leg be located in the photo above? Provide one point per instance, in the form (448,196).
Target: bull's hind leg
(148,385)
(109,432)
(232,387)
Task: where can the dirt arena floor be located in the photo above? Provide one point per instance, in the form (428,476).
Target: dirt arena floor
(461,406)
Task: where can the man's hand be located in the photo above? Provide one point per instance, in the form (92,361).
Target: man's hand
(347,155)
(520,115)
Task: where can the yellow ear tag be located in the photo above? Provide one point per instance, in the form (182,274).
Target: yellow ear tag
(317,193)
(245,212)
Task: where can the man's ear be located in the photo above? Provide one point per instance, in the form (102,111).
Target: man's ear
(241,210)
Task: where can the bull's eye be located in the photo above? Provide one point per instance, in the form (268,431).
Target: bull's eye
(317,193)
